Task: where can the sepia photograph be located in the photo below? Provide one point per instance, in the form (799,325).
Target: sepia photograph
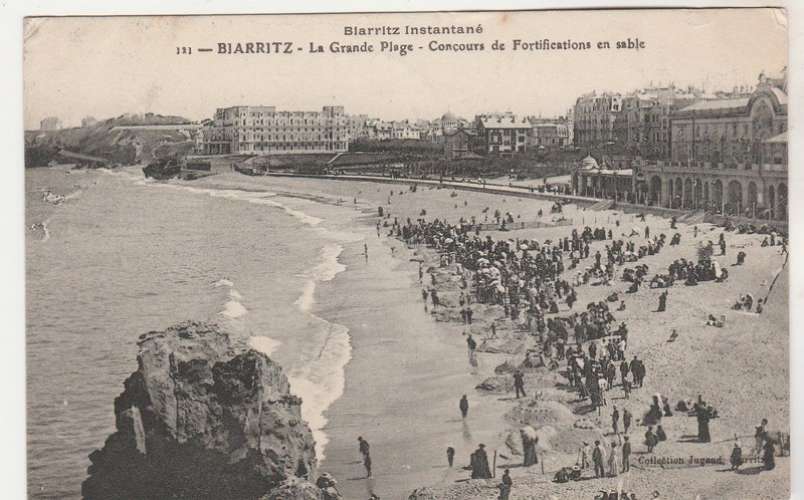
(413,256)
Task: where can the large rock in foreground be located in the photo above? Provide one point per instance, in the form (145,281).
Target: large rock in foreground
(202,417)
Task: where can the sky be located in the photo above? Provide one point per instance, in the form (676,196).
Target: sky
(106,66)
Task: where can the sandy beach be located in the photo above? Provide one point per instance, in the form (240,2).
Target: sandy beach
(409,368)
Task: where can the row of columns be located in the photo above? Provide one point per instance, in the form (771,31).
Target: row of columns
(731,196)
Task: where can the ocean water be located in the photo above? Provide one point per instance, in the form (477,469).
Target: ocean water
(120,256)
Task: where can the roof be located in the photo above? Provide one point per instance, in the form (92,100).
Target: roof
(717,104)
(448,116)
(504,121)
(457,131)
(624,172)
(780,95)
(778,139)
(589,163)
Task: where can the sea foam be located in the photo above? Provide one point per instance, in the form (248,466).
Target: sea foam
(321,381)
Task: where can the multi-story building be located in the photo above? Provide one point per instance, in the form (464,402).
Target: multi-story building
(50,123)
(593,118)
(727,155)
(502,133)
(262,130)
(357,126)
(549,133)
(642,129)
(459,144)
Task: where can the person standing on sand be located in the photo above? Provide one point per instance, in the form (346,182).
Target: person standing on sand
(464,406)
(615,420)
(768,455)
(365,251)
(614,461)
(598,458)
(626,455)
(505,485)
(736,458)
(586,452)
(662,302)
(650,439)
(626,421)
(480,463)
(450,455)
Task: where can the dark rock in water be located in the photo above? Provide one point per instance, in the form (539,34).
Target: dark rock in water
(203,417)
(163,168)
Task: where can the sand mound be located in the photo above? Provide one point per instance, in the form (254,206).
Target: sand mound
(502,345)
(546,436)
(538,413)
(498,384)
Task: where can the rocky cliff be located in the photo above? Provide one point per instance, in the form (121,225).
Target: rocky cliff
(204,416)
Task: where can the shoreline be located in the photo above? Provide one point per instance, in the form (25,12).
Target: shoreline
(409,392)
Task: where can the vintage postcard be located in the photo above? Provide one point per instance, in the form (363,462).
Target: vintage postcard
(435,255)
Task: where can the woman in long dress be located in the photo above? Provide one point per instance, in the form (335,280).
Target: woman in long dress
(614,460)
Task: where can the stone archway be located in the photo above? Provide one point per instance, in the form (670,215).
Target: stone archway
(697,198)
(734,198)
(655,190)
(717,195)
(687,193)
(781,194)
(753,198)
(678,192)
(706,194)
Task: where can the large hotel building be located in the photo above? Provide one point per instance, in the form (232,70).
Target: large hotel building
(262,130)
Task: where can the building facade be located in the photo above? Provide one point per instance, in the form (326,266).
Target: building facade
(502,134)
(727,156)
(642,128)
(593,118)
(549,133)
(459,144)
(50,123)
(262,130)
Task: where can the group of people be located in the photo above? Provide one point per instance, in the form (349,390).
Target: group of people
(524,277)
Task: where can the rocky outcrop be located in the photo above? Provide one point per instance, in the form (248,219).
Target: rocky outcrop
(204,416)
(325,488)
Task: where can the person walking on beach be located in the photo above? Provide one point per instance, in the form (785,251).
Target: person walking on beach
(471,346)
(365,251)
(363,446)
(519,383)
(464,406)
(450,455)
